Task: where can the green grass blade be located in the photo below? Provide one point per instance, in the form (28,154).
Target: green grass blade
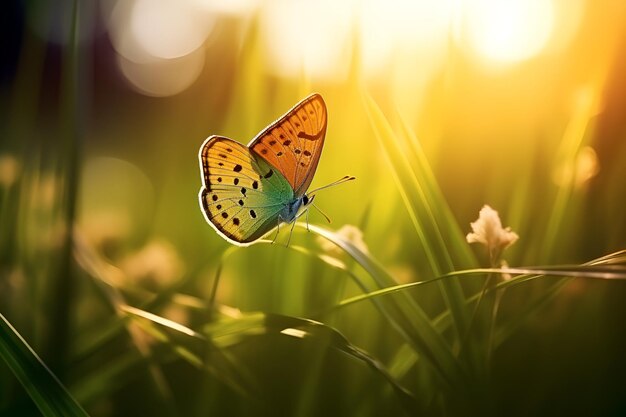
(404,177)
(449,231)
(573,140)
(235,330)
(532,309)
(403,313)
(421,205)
(46,391)
(524,275)
(108,377)
(194,348)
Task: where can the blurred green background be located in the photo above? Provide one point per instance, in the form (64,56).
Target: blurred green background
(437,108)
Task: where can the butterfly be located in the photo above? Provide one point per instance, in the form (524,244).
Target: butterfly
(249,190)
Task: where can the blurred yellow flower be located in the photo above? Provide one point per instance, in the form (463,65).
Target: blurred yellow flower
(488,231)
(579,171)
(9,170)
(156,264)
(106,226)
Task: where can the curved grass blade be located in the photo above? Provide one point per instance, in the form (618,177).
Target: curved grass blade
(106,379)
(234,330)
(524,275)
(574,137)
(418,191)
(195,348)
(90,260)
(448,231)
(403,313)
(608,267)
(304,328)
(46,391)
(233,327)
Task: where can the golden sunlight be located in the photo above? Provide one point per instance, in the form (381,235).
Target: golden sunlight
(389,25)
(235,8)
(316,44)
(506,31)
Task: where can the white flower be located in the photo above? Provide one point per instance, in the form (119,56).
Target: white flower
(488,231)
(348,232)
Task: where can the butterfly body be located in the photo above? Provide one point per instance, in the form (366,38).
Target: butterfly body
(292,209)
(248,191)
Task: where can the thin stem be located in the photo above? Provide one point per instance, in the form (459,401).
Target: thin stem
(64,285)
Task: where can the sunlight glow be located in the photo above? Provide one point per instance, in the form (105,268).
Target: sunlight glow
(388,25)
(230,7)
(315,43)
(507,31)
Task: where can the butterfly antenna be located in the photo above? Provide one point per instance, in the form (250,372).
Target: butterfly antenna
(332,184)
(323,214)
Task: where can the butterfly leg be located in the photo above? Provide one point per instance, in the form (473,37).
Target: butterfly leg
(293,224)
(277,230)
(291,232)
(307,221)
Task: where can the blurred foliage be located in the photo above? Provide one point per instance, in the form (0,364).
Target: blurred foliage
(134,306)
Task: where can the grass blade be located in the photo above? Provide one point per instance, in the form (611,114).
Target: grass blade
(235,329)
(46,391)
(404,313)
(421,206)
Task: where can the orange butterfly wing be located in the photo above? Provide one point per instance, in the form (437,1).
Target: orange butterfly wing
(293,144)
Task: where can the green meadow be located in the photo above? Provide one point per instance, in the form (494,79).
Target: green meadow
(475,267)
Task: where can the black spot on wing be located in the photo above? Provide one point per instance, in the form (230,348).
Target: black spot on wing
(306,136)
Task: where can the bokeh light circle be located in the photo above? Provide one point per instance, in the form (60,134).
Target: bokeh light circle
(163,77)
(506,31)
(169,28)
